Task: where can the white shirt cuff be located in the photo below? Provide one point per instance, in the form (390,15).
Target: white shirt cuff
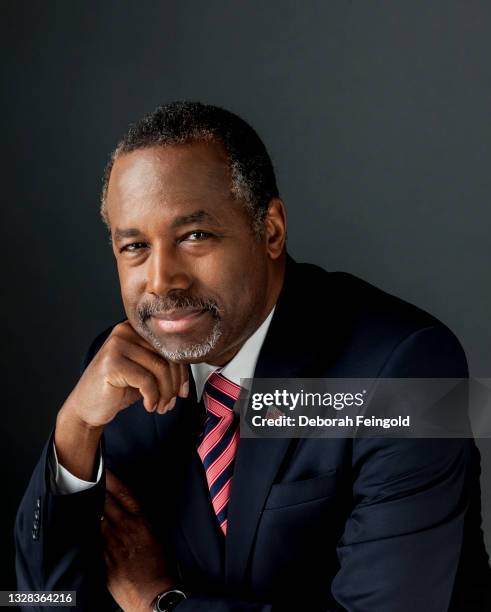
(64,482)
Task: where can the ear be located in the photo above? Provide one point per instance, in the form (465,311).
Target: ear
(275,228)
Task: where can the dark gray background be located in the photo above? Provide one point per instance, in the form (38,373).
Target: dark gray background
(377,116)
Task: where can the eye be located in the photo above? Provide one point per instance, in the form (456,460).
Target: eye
(198,236)
(133,247)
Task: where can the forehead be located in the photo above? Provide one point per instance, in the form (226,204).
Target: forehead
(170,181)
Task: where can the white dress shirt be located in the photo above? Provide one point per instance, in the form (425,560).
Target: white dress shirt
(241,366)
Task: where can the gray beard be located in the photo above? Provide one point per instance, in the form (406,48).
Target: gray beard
(192,353)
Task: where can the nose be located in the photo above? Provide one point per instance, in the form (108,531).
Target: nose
(165,272)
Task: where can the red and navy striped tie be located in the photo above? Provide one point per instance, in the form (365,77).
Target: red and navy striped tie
(217,445)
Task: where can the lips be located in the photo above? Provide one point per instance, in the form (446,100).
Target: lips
(178,320)
(178,313)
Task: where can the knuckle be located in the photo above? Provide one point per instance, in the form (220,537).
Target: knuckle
(112,343)
(149,386)
(123,326)
(106,362)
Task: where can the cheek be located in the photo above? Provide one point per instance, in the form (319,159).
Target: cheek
(129,286)
(242,288)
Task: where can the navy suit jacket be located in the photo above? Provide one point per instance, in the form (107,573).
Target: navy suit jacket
(365,525)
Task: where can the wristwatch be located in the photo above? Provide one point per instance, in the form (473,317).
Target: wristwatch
(168,601)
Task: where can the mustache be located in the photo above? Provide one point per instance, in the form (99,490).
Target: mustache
(176,302)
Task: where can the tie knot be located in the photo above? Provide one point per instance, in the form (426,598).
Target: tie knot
(221,394)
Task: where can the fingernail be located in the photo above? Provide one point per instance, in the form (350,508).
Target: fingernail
(170,405)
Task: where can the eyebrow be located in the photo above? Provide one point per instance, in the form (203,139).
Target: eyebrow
(195,217)
(120,234)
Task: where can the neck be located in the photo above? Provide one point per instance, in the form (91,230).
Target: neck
(278,277)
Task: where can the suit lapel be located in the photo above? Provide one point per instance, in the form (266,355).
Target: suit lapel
(286,352)
(194,512)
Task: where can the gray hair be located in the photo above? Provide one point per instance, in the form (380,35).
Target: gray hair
(253,181)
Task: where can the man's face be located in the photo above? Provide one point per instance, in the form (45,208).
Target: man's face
(195,280)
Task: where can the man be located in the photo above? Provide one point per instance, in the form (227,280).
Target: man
(145,489)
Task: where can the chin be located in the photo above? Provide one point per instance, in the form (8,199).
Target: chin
(187,351)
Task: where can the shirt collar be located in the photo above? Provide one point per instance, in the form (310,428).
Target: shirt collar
(241,366)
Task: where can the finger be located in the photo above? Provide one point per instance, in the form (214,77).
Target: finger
(180,378)
(108,558)
(163,372)
(108,528)
(129,373)
(184,388)
(115,514)
(112,547)
(122,493)
(111,539)
(127,332)
(175,373)
(179,371)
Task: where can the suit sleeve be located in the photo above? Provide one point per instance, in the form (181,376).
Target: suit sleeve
(63,481)
(57,537)
(402,542)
